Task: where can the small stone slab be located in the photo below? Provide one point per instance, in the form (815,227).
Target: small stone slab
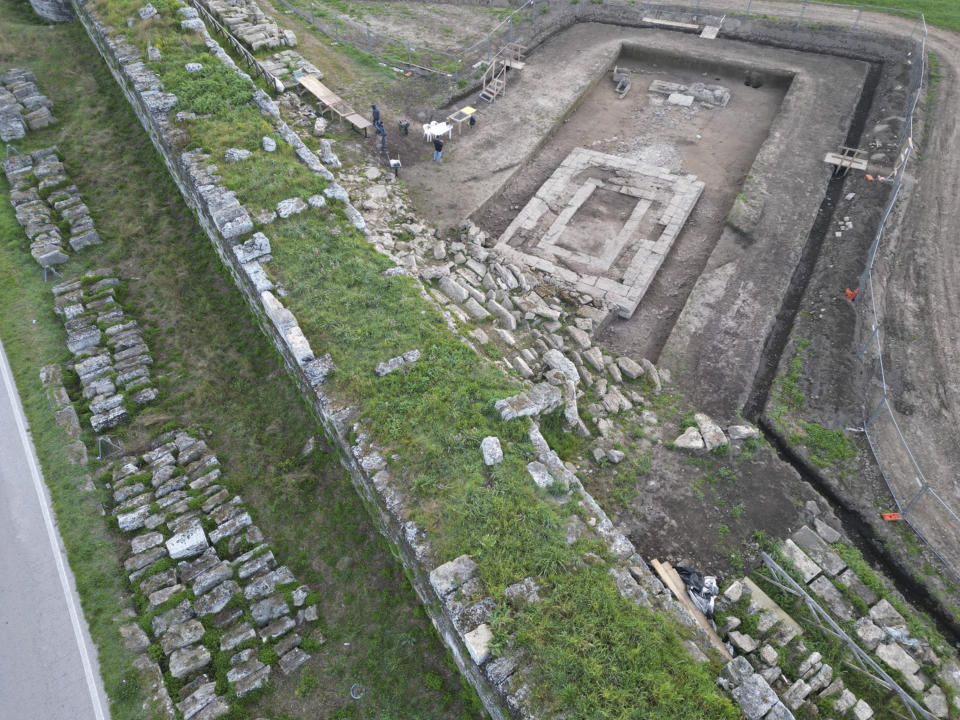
(448,577)
(478,643)
(755,697)
(291,661)
(819,551)
(805,566)
(186,661)
(186,544)
(492,452)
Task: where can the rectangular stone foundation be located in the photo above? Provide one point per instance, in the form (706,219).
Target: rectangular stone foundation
(603,224)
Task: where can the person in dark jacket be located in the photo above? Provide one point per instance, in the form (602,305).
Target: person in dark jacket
(437,149)
(376,114)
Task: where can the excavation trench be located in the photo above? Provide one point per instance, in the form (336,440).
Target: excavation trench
(776,341)
(863,535)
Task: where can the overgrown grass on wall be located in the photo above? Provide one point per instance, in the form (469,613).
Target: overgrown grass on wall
(432,419)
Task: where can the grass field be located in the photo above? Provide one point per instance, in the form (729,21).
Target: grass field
(217,372)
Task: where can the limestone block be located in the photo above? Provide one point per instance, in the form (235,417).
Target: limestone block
(805,566)
(713,435)
(448,577)
(755,697)
(541,476)
(936,701)
(870,635)
(862,711)
(819,551)
(492,452)
(181,634)
(188,543)
(737,670)
(478,643)
(743,643)
(203,697)
(884,614)
(629,367)
(834,600)
(796,694)
(186,661)
(691,439)
(897,658)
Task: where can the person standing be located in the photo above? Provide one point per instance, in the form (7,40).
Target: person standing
(376,114)
(437,149)
(382,132)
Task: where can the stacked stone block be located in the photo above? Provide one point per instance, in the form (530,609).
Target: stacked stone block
(882,632)
(64,413)
(288,65)
(47,206)
(111,359)
(250,24)
(200,565)
(22,106)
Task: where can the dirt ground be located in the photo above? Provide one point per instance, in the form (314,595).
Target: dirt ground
(922,343)
(716,144)
(444,27)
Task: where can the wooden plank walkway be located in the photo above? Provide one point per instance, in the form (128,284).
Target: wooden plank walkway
(331,101)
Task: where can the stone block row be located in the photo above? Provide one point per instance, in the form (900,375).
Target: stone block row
(110,357)
(64,413)
(200,564)
(22,106)
(48,207)
(250,24)
(882,631)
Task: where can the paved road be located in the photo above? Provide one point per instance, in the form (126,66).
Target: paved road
(48,665)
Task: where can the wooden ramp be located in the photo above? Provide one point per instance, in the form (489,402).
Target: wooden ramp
(331,101)
(672,580)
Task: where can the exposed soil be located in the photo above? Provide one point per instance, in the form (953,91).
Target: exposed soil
(921,339)
(717,144)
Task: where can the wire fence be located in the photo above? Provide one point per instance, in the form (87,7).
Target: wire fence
(917,496)
(809,612)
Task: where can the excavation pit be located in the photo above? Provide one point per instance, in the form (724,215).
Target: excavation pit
(602,223)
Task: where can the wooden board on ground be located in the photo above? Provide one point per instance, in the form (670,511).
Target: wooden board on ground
(671,24)
(672,580)
(334,103)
